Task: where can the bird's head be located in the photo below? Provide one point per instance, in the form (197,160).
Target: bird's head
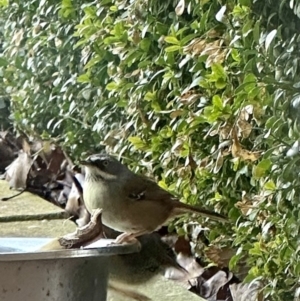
(103,167)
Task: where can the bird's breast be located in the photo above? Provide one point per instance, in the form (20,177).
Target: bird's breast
(97,195)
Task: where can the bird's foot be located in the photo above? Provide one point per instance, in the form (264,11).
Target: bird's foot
(125,238)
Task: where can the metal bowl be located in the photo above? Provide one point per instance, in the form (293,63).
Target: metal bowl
(63,275)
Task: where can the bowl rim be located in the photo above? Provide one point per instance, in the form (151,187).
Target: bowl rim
(87,252)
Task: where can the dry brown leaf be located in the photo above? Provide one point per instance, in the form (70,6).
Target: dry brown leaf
(220,256)
(55,158)
(176,113)
(182,245)
(178,145)
(245,154)
(244,128)
(74,206)
(190,265)
(244,207)
(187,277)
(47,155)
(211,48)
(258,113)
(243,123)
(18,36)
(246,291)
(114,136)
(195,47)
(3,134)
(205,162)
(246,112)
(26,147)
(212,34)
(189,97)
(239,152)
(248,203)
(216,58)
(215,283)
(6,154)
(224,131)
(17,171)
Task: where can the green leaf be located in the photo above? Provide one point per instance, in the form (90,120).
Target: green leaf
(111,40)
(270,185)
(163,184)
(3,3)
(217,102)
(247,86)
(3,62)
(218,71)
(256,32)
(112,86)
(172,40)
(235,55)
(83,78)
(220,83)
(172,48)
(233,261)
(145,44)
(261,168)
(119,29)
(137,142)
(150,96)
(247,28)
(245,2)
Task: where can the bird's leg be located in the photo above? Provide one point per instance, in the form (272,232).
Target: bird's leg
(128,237)
(124,237)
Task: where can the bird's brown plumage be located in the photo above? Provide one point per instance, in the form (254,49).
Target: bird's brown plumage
(131,203)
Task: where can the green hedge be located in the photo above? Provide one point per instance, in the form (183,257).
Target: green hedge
(203,96)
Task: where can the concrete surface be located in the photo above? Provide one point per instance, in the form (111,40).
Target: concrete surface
(42,228)
(26,206)
(158,288)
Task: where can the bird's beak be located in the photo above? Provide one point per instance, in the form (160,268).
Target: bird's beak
(85,162)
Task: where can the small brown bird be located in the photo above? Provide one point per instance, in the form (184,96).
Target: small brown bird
(131,203)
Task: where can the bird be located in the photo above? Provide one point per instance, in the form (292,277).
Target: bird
(132,204)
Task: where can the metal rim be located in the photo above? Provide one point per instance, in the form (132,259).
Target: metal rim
(72,253)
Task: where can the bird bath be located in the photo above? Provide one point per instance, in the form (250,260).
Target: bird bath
(68,275)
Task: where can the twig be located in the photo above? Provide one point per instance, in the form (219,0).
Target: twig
(85,234)
(10,197)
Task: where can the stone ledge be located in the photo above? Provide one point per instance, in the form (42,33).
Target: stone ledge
(26,206)
(158,288)
(44,228)
(28,215)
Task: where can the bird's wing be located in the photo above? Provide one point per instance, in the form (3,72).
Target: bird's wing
(143,188)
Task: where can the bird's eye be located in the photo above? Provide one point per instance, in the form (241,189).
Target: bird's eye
(105,162)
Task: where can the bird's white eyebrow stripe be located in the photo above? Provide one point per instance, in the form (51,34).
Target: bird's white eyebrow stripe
(98,158)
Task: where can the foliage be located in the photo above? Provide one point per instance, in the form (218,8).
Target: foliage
(203,96)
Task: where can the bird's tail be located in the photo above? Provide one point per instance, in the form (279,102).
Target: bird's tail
(182,208)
